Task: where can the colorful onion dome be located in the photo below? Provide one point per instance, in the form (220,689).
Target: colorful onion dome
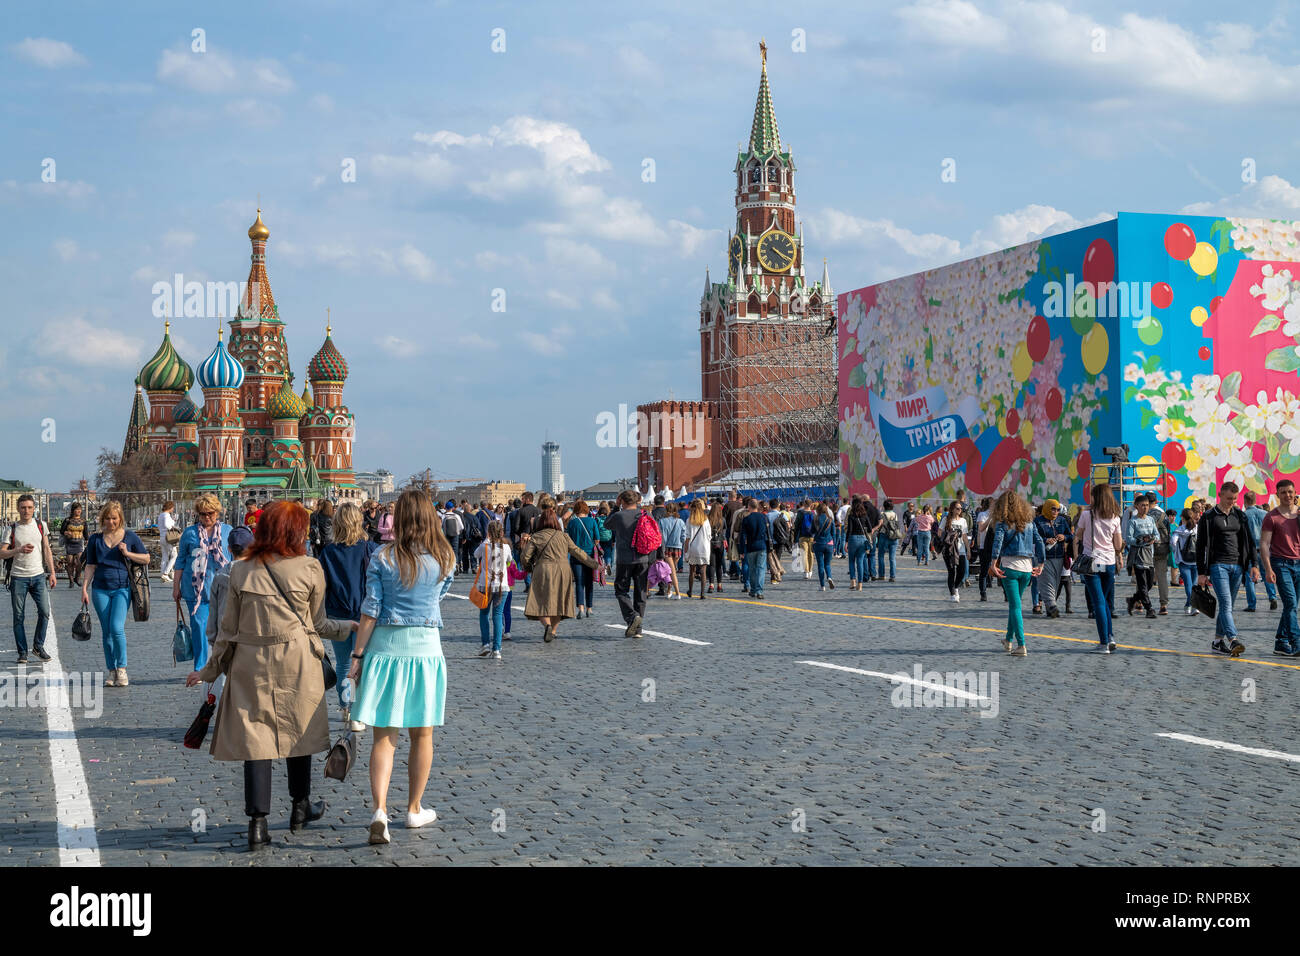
(285,403)
(166,371)
(220,369)
(258,229)
(327,365)
(185,412)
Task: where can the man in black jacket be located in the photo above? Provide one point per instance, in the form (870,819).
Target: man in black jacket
(755,541)
(1225,553)
(633,568)
(729,510)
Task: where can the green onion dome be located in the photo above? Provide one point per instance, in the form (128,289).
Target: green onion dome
(185,412)
(166,371)
(285,403)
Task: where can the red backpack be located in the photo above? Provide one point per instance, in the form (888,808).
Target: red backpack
(646,538)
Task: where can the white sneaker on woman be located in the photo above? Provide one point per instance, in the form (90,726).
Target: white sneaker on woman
(421,818)
(379,828)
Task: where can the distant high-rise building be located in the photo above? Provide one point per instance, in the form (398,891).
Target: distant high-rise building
(552,478)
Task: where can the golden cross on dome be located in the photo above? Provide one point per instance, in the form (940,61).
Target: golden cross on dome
(327,321)
(762,47)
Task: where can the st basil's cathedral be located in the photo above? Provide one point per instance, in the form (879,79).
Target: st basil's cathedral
(252,430)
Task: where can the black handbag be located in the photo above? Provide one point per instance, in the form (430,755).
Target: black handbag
(327,667)
(1203,600)
(138,578)
(82,627)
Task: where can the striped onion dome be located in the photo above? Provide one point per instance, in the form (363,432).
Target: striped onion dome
(327,365)
(166,371)
(285,403)
(185,412)
(220,369)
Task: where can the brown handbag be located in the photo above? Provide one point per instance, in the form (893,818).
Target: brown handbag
(479,598)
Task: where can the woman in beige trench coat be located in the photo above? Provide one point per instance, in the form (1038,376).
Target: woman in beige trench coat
(545,555)
(270,648)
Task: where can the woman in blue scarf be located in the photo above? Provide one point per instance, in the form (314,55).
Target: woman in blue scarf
(203,550)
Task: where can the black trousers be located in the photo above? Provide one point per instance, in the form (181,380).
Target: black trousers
(630,587)
(1145,578)
(957,568)
(257,783)
(716,558)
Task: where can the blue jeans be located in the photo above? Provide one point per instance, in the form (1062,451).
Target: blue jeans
(857,544)
(886,546)
(198,630)
(1101,593)
(823,553)
(756,571)
(497,608)
(1188,573)
(584,579)
(921,546)
(111,607)
(1288,585)
(1226,579)
(839,540)
(343,661)
(38,588)
(1250,585)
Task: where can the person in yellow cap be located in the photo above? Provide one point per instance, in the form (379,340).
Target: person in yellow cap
(1054,528)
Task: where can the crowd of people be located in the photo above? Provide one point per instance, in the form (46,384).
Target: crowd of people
(261,597)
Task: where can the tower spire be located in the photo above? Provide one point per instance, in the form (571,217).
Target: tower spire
(763,136)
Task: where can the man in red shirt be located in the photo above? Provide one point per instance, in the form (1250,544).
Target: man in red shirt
(252,514)
(1279,545)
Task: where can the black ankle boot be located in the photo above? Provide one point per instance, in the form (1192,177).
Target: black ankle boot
(304,812)
(257,833)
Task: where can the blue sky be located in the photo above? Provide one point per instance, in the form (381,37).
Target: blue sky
(522,170)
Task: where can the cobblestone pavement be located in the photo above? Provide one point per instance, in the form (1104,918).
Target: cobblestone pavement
(735,753)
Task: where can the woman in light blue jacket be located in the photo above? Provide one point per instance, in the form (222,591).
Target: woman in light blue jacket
(398,666)
(673,530)
(1018,556)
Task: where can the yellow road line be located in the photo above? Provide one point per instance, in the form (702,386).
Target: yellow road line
(1002,630)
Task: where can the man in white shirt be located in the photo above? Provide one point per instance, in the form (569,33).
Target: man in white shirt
(840,517)
(28,545)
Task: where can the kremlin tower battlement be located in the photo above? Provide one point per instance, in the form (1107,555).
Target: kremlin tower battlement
(252,430)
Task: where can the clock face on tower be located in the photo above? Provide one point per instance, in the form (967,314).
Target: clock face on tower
(776,250)
(734,253)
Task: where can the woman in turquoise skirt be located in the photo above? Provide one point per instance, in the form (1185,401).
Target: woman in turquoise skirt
(398,666)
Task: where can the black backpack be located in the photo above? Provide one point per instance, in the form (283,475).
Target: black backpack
(473,530)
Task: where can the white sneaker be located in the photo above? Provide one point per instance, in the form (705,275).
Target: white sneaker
(496,655)
(957,598)
(1006,646)
(379,828)
(487,649)
(422,818)
(807,575)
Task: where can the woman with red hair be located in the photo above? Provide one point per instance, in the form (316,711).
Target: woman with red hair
(270,647)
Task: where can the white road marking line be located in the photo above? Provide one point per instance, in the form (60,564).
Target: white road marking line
(1237,748)
(669,637)
(78,845)
(899,678)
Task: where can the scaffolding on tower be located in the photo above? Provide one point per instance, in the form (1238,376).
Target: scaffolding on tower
(778,407)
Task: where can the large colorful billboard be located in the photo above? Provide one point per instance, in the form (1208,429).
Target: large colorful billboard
(1178,335)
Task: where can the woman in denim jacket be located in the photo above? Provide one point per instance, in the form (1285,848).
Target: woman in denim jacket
(1018,556)
(398,666)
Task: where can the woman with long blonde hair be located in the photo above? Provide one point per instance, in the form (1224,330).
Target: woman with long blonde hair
(699,546)
(109,554)
(398,660)
(1017,557)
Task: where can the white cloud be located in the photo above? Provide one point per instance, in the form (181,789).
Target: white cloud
(398,347)
(219,72)
(952,22)
(562,300)
(474,340)
(145,274)
(321,103)
(95,346)
(252,112)
(69,189)
(1022,225)
(47,53)
(542,344)
(1140,55)
(691,239)
(571,256)
(179,239)
(1271,198)
(416,264)
(68,251)
(602,299)
(833,226)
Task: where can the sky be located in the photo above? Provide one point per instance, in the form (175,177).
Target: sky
(500,155)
